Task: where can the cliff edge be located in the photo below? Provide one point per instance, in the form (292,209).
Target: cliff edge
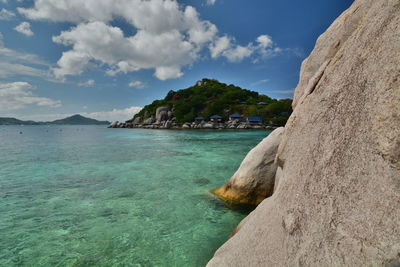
(338,199)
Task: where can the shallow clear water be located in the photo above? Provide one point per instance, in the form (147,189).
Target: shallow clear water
(91,196)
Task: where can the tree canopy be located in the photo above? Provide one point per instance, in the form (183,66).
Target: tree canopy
(212,97)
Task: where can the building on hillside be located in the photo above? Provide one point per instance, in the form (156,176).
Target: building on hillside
(216,118)
(235,117)
(199,119)
(263,103)
(254,120)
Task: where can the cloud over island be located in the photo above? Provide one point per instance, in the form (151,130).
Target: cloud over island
(168,37)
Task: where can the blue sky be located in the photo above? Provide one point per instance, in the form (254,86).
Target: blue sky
(106,59)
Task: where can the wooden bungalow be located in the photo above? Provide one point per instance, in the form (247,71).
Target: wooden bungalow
(235,116)
(216,118)
(254,120)
(199,119)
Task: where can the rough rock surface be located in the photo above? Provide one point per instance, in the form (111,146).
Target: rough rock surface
(255,178)
(113,124)
(137,120)
(162,114)
(149,120)
(338,198)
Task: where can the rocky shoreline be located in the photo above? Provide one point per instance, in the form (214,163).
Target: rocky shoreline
(165,119)
(195,126)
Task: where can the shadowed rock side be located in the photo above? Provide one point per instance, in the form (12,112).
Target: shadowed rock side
(255,178)
(338,199)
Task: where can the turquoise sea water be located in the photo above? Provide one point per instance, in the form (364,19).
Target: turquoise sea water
(91,196)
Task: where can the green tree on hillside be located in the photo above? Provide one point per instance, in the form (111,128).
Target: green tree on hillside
(213,97)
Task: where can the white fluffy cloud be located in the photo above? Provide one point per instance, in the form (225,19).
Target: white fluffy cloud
(14,69)
(260,82)
(24,28)
(6,14)
(113,115)
(168,36)
(17,95)
(165,52)
(219,46)
(137,84)
(225,46)
(264,41)
(211,2)
(238,53)
(88,83)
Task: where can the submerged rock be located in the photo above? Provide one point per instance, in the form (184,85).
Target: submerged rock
(255,178)
(338,198)
(201,181)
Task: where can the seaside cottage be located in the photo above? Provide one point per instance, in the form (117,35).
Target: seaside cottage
(199,119)
(235,117)
(216,118)
(254,120)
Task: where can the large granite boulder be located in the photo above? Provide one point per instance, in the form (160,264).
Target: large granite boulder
(114,124)
(150,120)
(186,125)
(170,114)
(243,125)
(338,198)
(255,178)
(167,125)
(162,114)
(137,120)
(208,125)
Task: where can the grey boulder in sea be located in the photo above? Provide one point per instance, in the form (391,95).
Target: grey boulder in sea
(338,199)
(255,178)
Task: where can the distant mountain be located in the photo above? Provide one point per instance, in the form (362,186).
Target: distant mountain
(73,120)
(14,121)
(78,120)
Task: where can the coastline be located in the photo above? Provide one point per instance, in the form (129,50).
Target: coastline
(195,126)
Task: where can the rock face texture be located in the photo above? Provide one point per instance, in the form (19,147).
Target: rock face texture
(162,114)
(338,198)
(255,178)
(149,120)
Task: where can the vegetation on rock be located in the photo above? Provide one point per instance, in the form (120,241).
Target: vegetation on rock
(209,97)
